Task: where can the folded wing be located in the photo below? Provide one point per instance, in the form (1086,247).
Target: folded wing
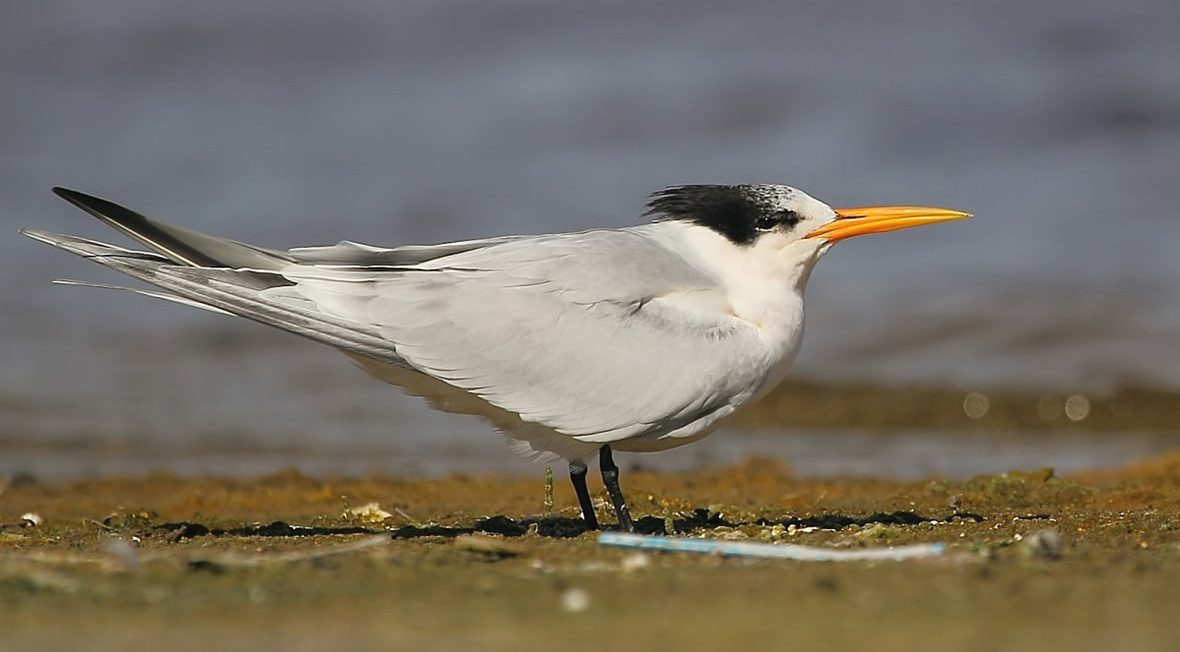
(599,335)
(586,333)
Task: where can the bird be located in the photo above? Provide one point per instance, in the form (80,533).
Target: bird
(572,345)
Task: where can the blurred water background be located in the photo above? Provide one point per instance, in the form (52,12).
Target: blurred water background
(297,122)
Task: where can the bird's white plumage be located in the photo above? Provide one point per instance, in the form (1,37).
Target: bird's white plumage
(633,337)
(643,337)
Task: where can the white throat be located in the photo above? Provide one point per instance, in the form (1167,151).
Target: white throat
(763,282)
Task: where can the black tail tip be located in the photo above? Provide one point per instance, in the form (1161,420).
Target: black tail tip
(75,197)
(96,206)
(72,196)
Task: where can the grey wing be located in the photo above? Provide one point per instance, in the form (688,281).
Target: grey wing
(584,333)
(348,253)
(601,335)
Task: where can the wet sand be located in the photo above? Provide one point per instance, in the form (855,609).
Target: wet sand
(475,562)
(823,429)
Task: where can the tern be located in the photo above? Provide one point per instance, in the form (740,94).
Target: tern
(636,339)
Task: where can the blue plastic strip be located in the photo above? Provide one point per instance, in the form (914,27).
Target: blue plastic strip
(768,550)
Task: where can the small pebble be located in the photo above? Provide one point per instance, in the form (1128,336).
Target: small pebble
(635,562)
(1042,544)
(31,519)
(370,513)
(575,600)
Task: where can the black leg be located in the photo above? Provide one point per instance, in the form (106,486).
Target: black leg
(610,478)
(578,478)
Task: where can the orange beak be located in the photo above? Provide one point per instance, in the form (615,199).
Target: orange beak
(879,219)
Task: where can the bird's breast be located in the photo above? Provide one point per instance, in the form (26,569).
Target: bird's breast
(781,331)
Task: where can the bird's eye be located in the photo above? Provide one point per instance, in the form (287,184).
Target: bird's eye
(766,222)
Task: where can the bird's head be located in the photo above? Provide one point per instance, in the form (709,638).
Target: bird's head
(775,218)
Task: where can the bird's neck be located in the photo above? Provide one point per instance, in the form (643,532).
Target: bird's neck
(764,282)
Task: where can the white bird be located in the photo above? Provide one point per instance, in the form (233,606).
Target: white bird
(640,338)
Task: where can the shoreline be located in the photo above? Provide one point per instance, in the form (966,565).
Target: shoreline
(295,562)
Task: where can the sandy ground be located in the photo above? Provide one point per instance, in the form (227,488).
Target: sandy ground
(291,562)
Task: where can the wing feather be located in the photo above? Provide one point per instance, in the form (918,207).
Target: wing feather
(601,335)
(581,332)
